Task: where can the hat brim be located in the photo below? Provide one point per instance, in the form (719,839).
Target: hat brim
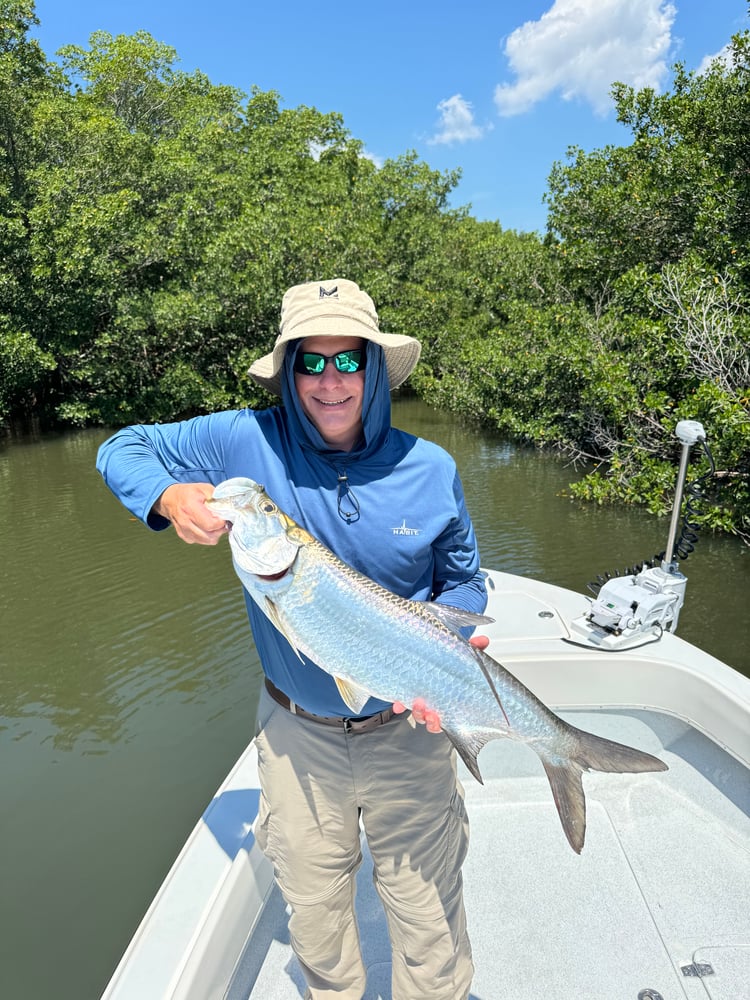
(401,352)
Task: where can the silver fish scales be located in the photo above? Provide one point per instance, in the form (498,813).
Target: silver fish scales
(377,644)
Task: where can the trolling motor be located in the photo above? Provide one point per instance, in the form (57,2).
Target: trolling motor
(637,608)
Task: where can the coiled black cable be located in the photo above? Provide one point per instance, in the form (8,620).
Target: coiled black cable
(685,544)
(694,493)
(594,586)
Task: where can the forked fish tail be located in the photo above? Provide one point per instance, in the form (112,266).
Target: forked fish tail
(565,773)
(592,753)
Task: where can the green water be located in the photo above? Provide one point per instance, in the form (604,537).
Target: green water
(128,680)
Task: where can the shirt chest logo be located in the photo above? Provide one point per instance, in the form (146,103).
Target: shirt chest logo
(403,530)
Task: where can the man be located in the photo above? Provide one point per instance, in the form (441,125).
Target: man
(392,506)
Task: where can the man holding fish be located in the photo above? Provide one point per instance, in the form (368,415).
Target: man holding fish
(390,505)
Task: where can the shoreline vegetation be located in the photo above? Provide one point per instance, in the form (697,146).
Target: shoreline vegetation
(151,221)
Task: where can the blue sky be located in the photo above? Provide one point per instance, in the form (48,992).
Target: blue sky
(498,89)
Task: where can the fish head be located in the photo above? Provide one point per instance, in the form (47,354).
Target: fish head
(259,535)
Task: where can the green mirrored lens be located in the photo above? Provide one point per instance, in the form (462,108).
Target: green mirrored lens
(347,361)
(313,364)
(310,363)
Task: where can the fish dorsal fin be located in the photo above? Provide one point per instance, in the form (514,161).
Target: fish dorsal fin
(457,618)
(354,696)
(272,612)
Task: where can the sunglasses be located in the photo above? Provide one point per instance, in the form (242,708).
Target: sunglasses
(310,363)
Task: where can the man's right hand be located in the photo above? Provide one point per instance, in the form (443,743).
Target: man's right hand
(184,504)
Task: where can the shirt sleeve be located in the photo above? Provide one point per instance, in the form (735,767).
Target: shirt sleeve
(139,462)
(458,579)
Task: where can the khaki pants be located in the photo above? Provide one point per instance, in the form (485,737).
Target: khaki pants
(316,781)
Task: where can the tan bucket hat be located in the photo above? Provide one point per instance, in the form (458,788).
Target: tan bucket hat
(336,308)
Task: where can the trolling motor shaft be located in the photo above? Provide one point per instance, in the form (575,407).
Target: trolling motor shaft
(632,610)
(690,432)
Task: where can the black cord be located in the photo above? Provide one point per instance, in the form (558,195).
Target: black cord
(346,501)
(695,495)
(685,544)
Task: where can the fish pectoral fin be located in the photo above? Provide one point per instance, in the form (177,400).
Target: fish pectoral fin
(273,613)
(354,696)
(457,618)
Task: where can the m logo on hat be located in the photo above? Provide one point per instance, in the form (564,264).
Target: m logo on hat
(324,294)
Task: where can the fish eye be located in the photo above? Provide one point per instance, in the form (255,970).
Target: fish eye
(268,507)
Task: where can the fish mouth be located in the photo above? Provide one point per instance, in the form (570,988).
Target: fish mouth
(263,561)
(274,576)
(269,561)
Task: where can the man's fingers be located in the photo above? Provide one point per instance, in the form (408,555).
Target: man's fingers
(418,710)
(184,504)
(194,535)
(432,721)
(422,714)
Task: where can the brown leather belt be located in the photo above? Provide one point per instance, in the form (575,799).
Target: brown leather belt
(353,726)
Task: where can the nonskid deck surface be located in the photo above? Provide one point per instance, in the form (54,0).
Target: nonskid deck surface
(662,883)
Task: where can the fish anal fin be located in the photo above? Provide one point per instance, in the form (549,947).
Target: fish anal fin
(467,747)
(272,612)
(354,696)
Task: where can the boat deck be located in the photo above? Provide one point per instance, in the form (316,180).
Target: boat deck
(656,905)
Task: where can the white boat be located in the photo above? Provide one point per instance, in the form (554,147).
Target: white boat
(656,906)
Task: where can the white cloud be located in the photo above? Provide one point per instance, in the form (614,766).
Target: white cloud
(724,56)
(456,122)
(579,48)
(373,158)
(317,149)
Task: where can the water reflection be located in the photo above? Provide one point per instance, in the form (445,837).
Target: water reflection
(101,617)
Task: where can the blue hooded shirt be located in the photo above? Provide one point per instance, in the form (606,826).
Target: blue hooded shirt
(393,507)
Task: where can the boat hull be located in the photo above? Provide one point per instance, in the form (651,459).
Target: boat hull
(660,889)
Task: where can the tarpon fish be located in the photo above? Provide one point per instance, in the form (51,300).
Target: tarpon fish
(375,643)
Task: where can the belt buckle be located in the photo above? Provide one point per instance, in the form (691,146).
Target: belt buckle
(347,724)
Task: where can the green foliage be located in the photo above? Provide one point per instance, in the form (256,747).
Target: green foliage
(643,469)
(22,365)
(151,220)
(681,186)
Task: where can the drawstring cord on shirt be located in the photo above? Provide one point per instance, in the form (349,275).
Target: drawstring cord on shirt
(346,501)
